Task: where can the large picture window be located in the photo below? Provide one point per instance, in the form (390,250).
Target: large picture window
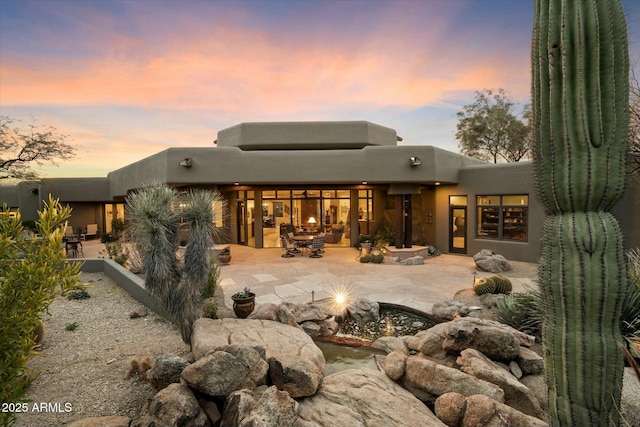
(503,217)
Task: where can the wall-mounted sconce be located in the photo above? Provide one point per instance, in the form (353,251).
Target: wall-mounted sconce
(415,161)
(187,163)
(34,190)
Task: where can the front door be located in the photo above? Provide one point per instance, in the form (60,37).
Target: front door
(458,229)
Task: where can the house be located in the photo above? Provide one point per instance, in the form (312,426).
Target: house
(348,177)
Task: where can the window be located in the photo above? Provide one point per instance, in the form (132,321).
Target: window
(503,217)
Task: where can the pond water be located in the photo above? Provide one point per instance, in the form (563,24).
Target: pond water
(340,357)
(394,321)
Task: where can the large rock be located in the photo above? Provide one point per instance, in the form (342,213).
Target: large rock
(529,361)
(414,260)
(224,371)
(291,374)
(495,340)
(480,411)
(450,309)
(492,338)
(292,353)
(261,407)
(363,397)
(630,403)
(434,379)
(487,260)
(174,406)
(390,344)
(364,310)
(516,394)
(394,365)
(166,370)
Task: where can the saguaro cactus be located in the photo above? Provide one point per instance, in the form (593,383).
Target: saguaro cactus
(580,106)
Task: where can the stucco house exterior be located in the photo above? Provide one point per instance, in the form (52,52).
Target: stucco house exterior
(349,178)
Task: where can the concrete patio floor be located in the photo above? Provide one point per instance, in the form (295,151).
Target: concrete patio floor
(275,279)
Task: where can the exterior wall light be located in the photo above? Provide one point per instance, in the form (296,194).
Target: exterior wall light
(415,161)
(187,163)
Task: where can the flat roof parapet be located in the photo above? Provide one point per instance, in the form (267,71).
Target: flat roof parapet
(306,135)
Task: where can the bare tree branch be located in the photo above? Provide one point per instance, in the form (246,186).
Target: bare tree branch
(21,148)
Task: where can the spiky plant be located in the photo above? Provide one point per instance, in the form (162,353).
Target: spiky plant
(156,212)
(580,70)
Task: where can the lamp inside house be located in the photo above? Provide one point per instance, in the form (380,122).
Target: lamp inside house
(311,220)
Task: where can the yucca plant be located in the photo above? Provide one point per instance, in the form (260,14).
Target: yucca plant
(522,310)
(580,99)
(157,215)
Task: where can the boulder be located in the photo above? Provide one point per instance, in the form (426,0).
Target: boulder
(268,311)
(363,397)
(516,394)
(394,364)
(537,385)
(515,370)
(224,371)
(529,361)
(364,310)
(487,260)
(414,260)
(494,339)
(294,375)
(434,379)
(172,407)
(292,354)
(306,312)
(329,327)
(273,408)
(108,421)
(311,328)
(450,309)
(479,411)
(390,344)
(236,406)
(166,370)
(429,342)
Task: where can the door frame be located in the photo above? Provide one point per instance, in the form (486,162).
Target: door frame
(452,235)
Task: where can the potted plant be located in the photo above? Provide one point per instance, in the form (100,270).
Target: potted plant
(243,303)
(224,257)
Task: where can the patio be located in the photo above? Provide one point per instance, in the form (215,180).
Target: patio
(276,279)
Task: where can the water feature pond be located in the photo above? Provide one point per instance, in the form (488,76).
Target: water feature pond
(395,321)
(351,347)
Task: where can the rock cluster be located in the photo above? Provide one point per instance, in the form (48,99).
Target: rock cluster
(255,372)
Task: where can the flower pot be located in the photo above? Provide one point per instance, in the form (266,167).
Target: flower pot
(243,307)
(224,258)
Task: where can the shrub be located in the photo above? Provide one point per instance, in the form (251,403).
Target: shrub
(210,308)
(523,311)
(33,272)
(116,252)
(212,282)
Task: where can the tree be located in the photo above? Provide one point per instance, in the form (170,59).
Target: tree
(32,272)
(489,130)
(633,150)
(20,148)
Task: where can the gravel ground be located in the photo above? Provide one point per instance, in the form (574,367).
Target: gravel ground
(84,371)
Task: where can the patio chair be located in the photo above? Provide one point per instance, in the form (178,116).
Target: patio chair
(68,232)
(288,247)
(92,230)
(317,245)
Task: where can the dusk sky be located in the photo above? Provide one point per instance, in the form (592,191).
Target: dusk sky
(127,79)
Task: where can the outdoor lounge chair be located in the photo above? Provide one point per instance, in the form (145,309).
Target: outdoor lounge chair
(92,230)
(288,247)
(317,245)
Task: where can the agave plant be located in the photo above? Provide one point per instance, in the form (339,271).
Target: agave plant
(157,215)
